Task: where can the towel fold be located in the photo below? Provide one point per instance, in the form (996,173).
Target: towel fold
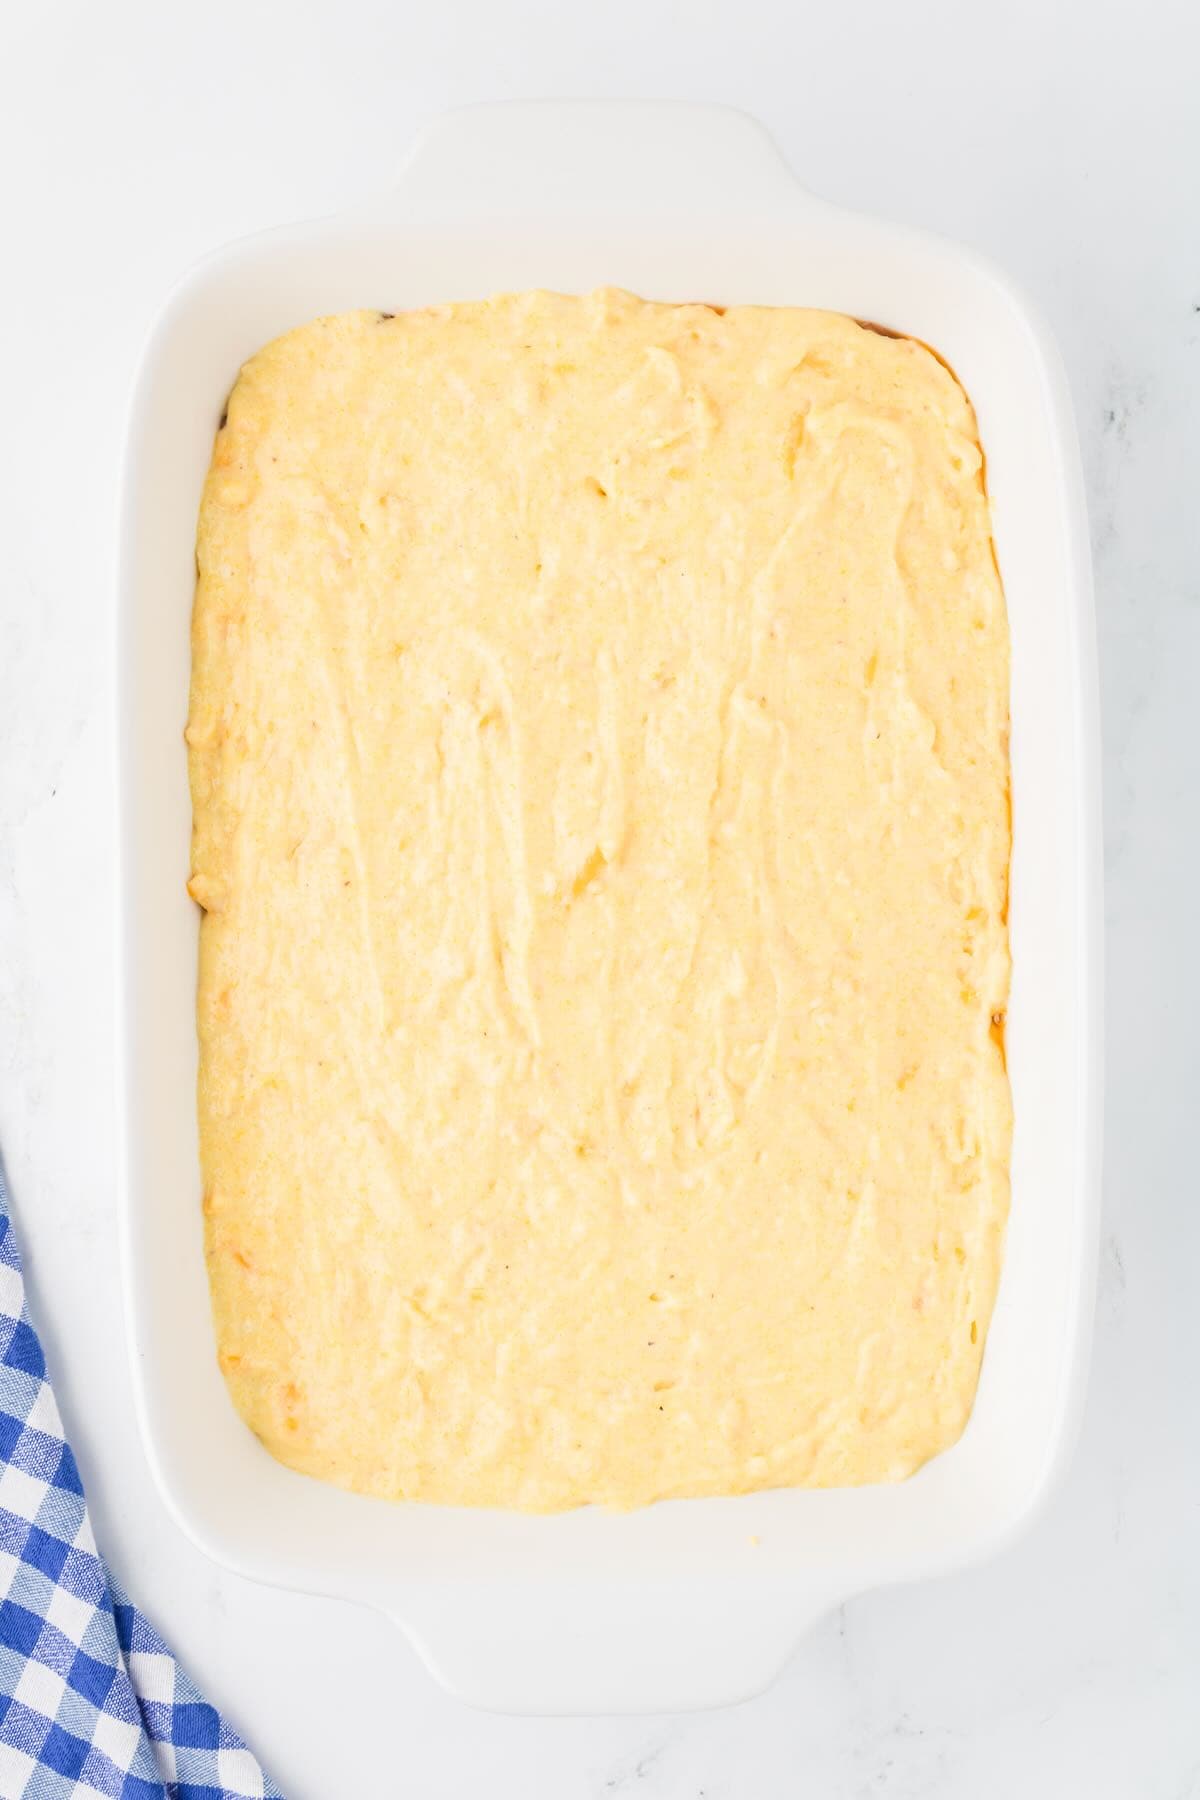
(92,1702)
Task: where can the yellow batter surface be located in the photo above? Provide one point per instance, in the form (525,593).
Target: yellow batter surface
(598,745)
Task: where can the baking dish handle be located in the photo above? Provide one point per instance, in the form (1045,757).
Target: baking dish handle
(568,1648)
(492,164)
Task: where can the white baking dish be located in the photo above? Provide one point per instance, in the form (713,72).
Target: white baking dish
(693,1602)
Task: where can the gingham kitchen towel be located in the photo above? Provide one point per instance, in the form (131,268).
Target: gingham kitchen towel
(91,1699)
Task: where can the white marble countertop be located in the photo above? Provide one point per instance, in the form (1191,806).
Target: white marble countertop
(1063,139)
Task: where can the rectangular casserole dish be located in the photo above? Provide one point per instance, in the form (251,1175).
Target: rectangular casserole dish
(696,1602)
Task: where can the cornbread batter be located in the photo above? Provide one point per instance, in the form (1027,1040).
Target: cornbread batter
(598,745)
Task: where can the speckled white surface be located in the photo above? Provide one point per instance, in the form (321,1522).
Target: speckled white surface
(1062,139)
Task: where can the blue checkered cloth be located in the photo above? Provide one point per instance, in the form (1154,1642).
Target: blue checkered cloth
(91,1699)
